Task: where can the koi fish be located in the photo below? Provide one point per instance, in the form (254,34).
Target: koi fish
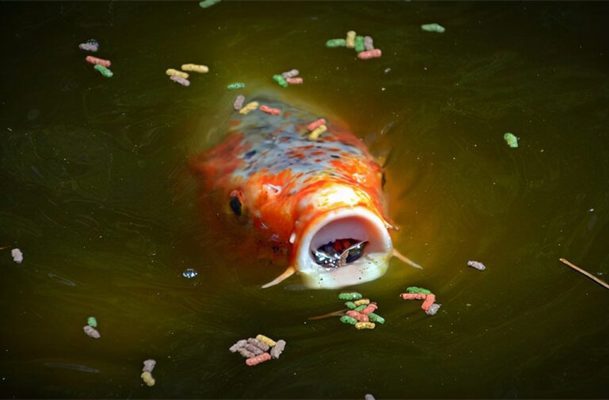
(320,198)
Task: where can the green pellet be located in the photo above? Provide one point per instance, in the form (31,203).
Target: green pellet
(350,305)
(208,3)
(350,296)
(360,308)
(92,322)
(280,80)
(336,43)
(345,319)
(235,85)
(511,139)
(414,289)
(376,318)
(359,44)
(104,71)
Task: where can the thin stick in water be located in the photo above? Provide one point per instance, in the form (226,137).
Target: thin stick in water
(588,274)
(338,313)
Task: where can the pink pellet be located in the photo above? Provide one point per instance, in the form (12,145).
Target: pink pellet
(98,61)
(315,124)
(258,359)
(295,81)
(372,307)
(431,298)
(413,296)
(180,80)
(365,55)
(270,110)
(358,316)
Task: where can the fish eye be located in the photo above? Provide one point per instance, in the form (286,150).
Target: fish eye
(235,205)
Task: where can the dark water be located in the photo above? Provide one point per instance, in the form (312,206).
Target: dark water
(96,192)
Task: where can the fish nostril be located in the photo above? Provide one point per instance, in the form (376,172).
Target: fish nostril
(235,205)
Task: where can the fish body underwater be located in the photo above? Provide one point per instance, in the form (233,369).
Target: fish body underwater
(308,196)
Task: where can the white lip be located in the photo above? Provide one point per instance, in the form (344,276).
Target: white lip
(353,222)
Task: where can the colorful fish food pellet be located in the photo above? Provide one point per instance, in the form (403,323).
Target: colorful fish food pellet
(270,110)
(360,308)
(235,85)
(433,28)
(366,55)
(202,69)
(266,340)
(368,43)
(180,80)
(280,80)
(314,125)
(350,296)
(92,322)
(358,316)
(433,309)
(350,41)
(365,325)
(149,365)
(91,332)
(359,44)
(290,74)
(104,71)
(98,61)
(17,256)
(429,300)
(261,345)
(361,301)
(278,348)
(89,45)
(476,265)
(336,43)
(350,305)
(246,353)
(208,3)
(249,107)
(238,103)
(295,81)
(414,289)
(175,72)
(258,359)
(345,319)
(511,139)
(240,344)
(317,132)
(413,296)
(147,378)
(376,318)
(372,307)
(255,350)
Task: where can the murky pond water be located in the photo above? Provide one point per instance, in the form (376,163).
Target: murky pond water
(97,194)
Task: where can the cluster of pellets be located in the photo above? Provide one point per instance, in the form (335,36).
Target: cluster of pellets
(253,105)
(147,372)
(363,45)
(429,299)
(361,313)
(288,78)
(90,330)
(316,128)
(181,77)
(99,64)
(258,350)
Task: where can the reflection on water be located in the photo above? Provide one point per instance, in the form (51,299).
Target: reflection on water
(97,194)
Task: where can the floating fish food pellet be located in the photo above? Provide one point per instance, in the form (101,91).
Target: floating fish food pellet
(358,316)
(362,301)
(336,43)
(295,81)
(359,44)
(208,3)
(97,61)
(258,359)
(175,72)
(266,340)
(511,139)
(433,309)
(360,308)
(350,41)
(238,103)
(91,332)
(413,296)
(414,289)
(366,55)
(189,273)
(251,106)
(350,305)
(261,345)
(92,322)
(280,80)
(290,74)
(235,85)
(270,110)
(149,365)
(147,378)
(203,69)
(180,80)
(429,300)
(345,319)
(476,265)
(376,318)
(368,43)
(433,28)
(89,45)
(278,348)
(311,127)
(104,71)
(364,325)
(17,256)
(317,132)
(372,307)
(246,353)
(240,344)
(253,349)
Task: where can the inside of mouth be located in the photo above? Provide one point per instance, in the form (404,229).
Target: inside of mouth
(340,252)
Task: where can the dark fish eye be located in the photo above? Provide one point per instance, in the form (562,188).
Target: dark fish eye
(383,180)
(235,205)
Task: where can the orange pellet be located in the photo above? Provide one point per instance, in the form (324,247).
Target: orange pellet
(258,359)
(270,110)
(315,124)
(413,296)
(295,81)
(98,61)
(429,300)
(372,307)
(366,55)
(358,316)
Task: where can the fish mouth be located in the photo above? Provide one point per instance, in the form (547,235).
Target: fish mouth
(358,225)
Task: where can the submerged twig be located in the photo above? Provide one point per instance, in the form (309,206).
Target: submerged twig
(588,274)
(338,313)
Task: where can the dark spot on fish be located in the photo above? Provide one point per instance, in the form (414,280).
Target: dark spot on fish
(383,180)
(235,205)
(334,156)
(249,154)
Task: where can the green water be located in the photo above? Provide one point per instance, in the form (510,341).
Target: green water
(97,194)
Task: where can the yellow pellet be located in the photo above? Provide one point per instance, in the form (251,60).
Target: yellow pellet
(175,72)
(196,68)
(350,39)
(251,106)
(317,132)
(266,340)
(364,325)
(362,301)
(148,379)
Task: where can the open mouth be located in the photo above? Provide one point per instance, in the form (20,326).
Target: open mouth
(344,247)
